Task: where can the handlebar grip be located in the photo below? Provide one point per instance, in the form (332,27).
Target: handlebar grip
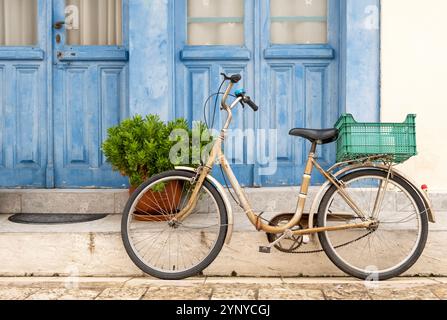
(251,103)
(235,78)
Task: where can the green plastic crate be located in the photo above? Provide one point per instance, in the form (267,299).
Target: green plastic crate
(358,140)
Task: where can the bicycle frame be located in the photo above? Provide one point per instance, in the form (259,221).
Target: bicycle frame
(217,154)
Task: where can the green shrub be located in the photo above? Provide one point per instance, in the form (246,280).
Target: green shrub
(139,147)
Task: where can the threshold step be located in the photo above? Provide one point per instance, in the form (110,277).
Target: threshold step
(112,201)
(95,201)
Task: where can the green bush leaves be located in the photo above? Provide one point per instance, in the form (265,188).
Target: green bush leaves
(139,147)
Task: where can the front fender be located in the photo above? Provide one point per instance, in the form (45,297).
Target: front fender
(225,198)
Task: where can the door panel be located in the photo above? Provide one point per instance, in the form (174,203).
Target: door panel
(27,116)
(24,126)
(89,100)
(90,96)
(23,96)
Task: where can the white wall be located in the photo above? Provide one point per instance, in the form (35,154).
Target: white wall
(414,73)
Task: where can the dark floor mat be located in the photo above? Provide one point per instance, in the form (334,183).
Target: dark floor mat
(42,218)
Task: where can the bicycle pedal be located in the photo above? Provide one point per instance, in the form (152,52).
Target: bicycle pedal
(265,249)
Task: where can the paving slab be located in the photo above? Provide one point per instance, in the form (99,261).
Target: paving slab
(64,294)
(287,293)
(440,292)
(402,294)
(123,293)
(80,294)
(328,280)
(234,292)
(346,292)
(439,280)
(178,293)
(148,282)
(16,293)
(242,280)
(47,294)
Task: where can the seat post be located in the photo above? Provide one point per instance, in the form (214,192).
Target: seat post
(308,170)
(302,197)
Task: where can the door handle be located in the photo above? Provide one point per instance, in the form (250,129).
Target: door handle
(58,25)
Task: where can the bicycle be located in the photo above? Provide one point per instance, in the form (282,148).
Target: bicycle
(371,220)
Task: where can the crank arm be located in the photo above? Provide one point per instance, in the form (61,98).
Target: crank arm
(267,249)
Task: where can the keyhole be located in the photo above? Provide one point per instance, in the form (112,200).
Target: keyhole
(58,38)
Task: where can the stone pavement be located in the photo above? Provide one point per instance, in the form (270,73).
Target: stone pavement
(221,289)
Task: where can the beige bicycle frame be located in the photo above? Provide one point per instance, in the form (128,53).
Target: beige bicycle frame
(217,154)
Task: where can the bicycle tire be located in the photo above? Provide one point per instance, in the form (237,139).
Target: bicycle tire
(330,251)
(205,262)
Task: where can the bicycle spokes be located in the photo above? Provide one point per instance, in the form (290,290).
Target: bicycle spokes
(159,240)
(393,237)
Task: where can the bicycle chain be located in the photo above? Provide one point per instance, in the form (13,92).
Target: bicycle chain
(336,247)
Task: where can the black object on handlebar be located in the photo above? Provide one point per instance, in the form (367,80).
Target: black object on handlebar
(250,103)
(235,78)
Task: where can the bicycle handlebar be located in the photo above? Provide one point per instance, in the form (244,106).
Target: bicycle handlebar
(243,98)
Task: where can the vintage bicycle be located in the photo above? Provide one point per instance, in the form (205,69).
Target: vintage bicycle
(371,220)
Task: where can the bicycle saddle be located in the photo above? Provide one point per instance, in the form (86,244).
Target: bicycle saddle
(320,136)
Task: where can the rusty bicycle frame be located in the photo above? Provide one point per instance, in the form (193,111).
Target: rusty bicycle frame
(217,154)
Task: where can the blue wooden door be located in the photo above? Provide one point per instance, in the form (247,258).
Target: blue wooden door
(23,93)
(298,82)
(287,53)
(204,49)
(89,88)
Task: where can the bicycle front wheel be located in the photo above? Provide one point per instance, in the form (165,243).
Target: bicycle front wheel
(389,248)
(162,247)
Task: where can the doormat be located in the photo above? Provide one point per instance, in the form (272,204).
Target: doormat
(42,218)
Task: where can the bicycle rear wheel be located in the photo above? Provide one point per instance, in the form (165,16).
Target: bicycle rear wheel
(171,250)
(386,250)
